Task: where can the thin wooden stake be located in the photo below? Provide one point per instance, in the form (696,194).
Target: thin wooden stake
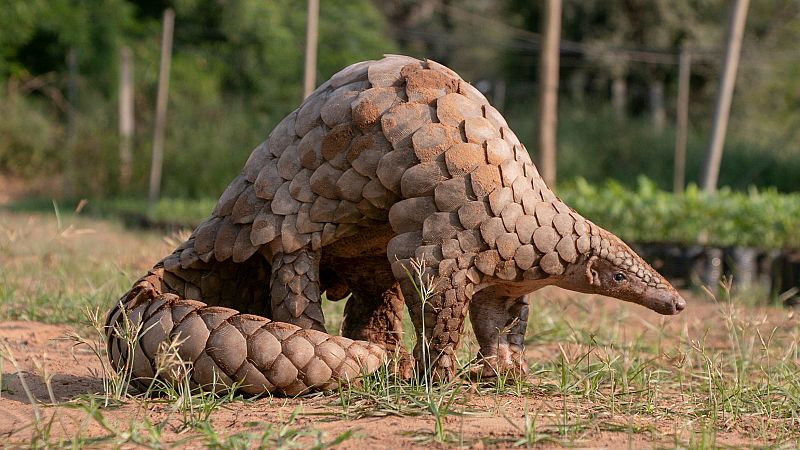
(312,31)
(722,108)
(161,107)
(548,89)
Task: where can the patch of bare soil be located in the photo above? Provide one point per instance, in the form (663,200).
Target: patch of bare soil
(491,421)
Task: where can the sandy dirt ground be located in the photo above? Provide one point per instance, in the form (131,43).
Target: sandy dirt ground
(62,379)
(42,351)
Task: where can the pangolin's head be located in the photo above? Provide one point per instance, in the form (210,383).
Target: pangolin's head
(612,269)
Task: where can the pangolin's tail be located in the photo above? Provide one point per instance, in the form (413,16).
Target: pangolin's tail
(220,347)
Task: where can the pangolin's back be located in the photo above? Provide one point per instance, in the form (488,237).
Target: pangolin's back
(376,133)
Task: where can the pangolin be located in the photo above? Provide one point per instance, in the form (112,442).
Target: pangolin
(386,161)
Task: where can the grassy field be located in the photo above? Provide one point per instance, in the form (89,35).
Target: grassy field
(602,373)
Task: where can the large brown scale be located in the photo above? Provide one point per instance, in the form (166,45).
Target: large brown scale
(388,160)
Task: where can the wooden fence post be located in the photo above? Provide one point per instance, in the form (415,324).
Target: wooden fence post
(722,108)
(312,31)
(548,89)
(161,108)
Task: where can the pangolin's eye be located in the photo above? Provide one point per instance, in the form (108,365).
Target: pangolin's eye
(619,276)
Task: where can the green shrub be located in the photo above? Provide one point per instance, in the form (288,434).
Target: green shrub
(764,218)
(167,211)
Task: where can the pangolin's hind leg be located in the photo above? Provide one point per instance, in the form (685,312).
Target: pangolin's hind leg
(334,285)
(499,323)
(294,288)
(375,311)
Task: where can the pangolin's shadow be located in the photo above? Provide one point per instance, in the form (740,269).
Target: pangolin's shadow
(64,387)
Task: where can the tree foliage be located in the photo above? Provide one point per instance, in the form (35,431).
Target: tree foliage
(237,69)
(763,219)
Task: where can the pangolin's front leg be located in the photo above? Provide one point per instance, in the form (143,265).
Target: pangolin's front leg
(499,323)
(437,298)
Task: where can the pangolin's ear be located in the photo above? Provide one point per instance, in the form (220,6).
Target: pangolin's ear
(592,277)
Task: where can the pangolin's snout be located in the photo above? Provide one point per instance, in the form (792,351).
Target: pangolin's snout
(665,302)
(680,303)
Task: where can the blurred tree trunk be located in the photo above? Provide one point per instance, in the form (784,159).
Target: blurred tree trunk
(403,16)
(499,97)
(71,178)
(577,86)
(619,96)
(658,112)
(548,89)
(126,117)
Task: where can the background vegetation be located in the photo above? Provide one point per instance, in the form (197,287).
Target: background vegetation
(237,69)
(602,373)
